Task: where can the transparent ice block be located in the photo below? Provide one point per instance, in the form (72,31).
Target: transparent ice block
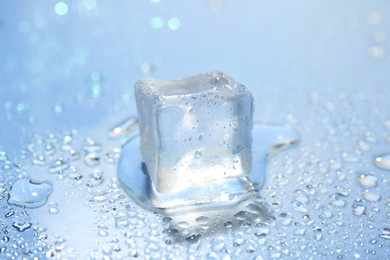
(195,130)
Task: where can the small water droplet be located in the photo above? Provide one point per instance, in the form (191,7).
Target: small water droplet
(220,82)
(193,239)
(92,159)
(241,215)
(58,108)
(103,233)
(252,208)
(28,193)
(3,156)
(358,208)
(121,219)
(317,233)
(59,165)
(95,178)
(171,232)
(99,195)
(91,146)
(39,160)
(183,224)
(382,161)
(198,155)
(73,173)
(202,220)
(53,208)
(299,206)
(228,224)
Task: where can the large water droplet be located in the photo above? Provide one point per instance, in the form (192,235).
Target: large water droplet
(382,161)
(368,180)
(28,193)
(385,233)
(21,225)
(371,196)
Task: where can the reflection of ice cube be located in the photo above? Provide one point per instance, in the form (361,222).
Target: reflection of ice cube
(194,130)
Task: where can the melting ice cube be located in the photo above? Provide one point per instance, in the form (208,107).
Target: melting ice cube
(195,130)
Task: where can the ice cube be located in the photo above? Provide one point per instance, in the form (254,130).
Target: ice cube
(195,130)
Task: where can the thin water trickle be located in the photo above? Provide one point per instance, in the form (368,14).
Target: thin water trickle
(125,128)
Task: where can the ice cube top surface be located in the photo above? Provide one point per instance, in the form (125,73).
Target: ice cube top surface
(195,130)
(200,85)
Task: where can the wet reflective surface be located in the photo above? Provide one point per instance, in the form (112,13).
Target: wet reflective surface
(68,71)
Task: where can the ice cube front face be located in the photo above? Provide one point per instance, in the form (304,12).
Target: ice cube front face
(194,130)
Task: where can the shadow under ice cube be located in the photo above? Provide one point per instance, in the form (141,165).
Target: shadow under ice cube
(194,131)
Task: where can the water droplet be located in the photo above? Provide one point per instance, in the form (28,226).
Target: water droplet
(299,206)
(3,156)
(39,160)
(285,219)
(28,193)
(58,108)
(92,159)
(228,224)
(382,161)
(171,232)
(358,208)
(91,146)
(368,180)
(350,157)
(220,81)
(317,233)
(327,211)
(73,155)
(252,208)
(124,128)
(21,225)
(59,165)
(198,155)
(121,219)
(385,233)
(53,208)
(103,233)
(371,196)
(183,224)
(202,220)
(338,199)
(99,195)
(73,173)
(95,178)
(241,215)
(193,239)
